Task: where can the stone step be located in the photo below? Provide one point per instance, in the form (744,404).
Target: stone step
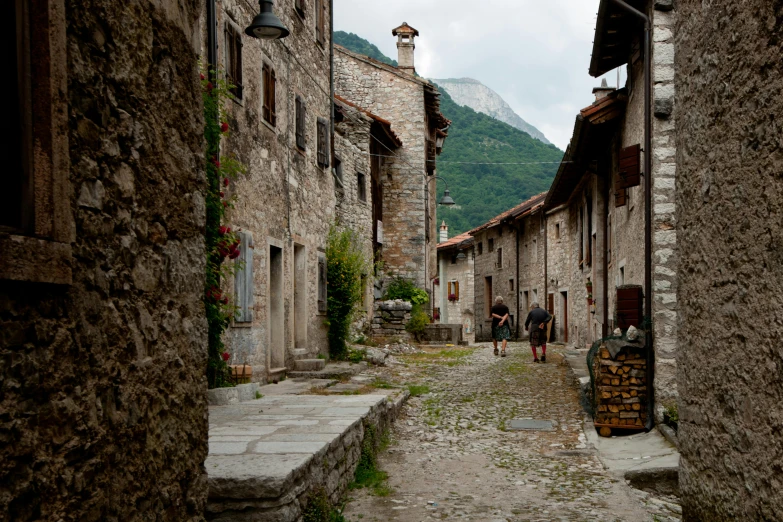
(277,374)
(338,370)
(309,365)
(300,353)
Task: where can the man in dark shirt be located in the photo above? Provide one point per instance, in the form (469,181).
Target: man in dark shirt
(536,323)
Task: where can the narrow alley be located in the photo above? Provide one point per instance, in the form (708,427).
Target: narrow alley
(455,455)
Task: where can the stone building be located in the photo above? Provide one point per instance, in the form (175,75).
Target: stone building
(602,176)
(411,105)
(102,261)
(453,294)
(360,141)
(280,125)
(509,263)
(729,163)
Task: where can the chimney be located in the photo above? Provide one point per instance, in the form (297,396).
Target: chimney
(405,35)
(602,91)
(444,233)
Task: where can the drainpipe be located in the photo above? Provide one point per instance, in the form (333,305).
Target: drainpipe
(607,199)
(331,76)
(516,284)
(647,206)
(546,260)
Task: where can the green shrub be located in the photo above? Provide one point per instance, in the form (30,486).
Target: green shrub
(345,264)
(670,415)
(406,290)
(418,322)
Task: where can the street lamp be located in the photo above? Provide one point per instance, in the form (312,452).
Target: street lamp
(446,200)
(266,25)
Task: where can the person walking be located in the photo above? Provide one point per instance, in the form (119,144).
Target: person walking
(500,329)
(537,320)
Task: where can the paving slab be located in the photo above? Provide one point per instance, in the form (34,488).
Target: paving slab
(265,455)
(333,370)
(531,424)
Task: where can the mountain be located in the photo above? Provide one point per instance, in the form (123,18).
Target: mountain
(479,97)
(359,45)
(483,191)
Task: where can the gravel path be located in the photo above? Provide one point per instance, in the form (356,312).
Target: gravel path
(454,456)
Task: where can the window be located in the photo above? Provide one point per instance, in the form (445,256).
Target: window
(269,112)
(480,248)
(489,300)
(299,5)
(557,230)
(301,123)
(323,144)
(500,258)
(320,21)
(511,285)
(36,52)
(491,244)
(234,59)
(453,291)
(361,186)
(535,250)
(338,172)
(454,259)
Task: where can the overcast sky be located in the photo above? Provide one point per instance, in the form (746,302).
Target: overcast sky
(534,53)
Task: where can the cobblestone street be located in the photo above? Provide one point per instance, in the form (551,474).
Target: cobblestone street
(454,454)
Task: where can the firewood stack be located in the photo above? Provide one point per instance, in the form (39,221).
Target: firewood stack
(621,389)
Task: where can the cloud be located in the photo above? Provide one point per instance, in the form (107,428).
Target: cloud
(534,53)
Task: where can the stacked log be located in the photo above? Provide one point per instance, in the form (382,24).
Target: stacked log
(621,389)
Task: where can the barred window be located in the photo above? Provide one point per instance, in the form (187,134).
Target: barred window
(323,144)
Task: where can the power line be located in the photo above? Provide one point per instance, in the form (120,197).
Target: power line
(486,163)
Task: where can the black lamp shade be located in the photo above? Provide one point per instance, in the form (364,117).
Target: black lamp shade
(266,25)
(446,199)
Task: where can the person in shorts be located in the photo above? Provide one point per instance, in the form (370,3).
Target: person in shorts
(536,323)
(500,329)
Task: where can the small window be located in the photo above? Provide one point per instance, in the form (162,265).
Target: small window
(320,21)
(491,244)
(338,171)
(454,260)
(557,231)
(511,285)
(453,291)
(234,59)
(323,144)
(299,5)
(480,248)
(301,123)
(361,186)
(500,258)
(269,111)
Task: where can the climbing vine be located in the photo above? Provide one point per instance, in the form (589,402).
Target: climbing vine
(222,243)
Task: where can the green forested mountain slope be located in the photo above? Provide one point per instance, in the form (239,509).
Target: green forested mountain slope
(484,191)
(359,45)
(480,191)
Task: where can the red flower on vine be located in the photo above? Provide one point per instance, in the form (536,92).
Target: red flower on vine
(225,181)
(223,231)
(210,86)
(224,300)
(224,127)
(216,163)
(225,203)
(226,356)
(202,77)
(222,194)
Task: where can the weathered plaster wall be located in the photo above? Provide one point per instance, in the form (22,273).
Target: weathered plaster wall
(486,265)
(285,200)
(462,310)
(400,100)
(104,381)
(729,164)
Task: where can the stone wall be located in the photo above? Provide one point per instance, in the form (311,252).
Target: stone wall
(390,319)
(560,257)
(503,276)
(729,164)
(286,200)
(398,98)
(532,252)
(352,143)
(104,379)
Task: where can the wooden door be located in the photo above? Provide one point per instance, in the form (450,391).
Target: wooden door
(565,316)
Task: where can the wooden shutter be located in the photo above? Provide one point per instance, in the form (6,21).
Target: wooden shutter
(234,59)
(323,146)
(456,289)
(266,78)
(320,7)
(630,167)
(273,98)
(243,279)
(620,197)
(629,306)
(300,123)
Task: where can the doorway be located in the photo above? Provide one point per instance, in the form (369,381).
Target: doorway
(564,320)
(276,309)
(488,299)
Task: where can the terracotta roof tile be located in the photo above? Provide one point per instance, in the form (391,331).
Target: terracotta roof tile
(465,237)
(528,206)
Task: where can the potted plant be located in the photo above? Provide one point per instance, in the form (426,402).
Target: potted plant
(452,297)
